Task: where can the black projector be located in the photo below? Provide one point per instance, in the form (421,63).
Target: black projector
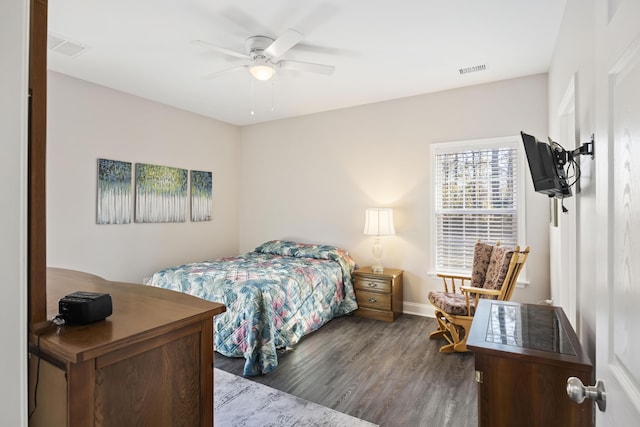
(84,307)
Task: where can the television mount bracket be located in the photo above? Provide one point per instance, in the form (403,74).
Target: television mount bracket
(565,156)
(586,149)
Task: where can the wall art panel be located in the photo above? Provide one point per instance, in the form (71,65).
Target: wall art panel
(161,193)
(114,192)
(201,195)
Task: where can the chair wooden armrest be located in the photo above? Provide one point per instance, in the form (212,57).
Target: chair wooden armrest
(482,291)
(466,290)
(452,280)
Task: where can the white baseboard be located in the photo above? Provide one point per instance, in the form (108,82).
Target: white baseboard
(425,310)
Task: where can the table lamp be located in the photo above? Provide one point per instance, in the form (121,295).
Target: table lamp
(378,222)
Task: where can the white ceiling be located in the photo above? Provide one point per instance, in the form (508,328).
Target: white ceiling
(381,49)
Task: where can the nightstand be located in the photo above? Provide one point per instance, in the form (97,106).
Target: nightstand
(379,295)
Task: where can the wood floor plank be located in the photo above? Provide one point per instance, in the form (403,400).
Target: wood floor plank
(390,374)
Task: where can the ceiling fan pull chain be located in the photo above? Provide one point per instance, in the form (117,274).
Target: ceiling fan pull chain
(272,96)
(252,97)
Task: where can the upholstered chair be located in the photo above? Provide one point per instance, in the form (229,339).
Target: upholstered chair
(494,275)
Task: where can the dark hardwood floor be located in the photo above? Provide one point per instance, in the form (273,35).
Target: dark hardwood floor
(390,374)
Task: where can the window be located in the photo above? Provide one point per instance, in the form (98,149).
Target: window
(478,194)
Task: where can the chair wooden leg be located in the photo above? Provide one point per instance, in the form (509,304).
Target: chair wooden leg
(443,330)
(452,337)
(454,333)
(461,347)
(437,334)
(461,341)
(448,348)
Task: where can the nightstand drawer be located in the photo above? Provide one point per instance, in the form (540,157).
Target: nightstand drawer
(370,284)
(375,300)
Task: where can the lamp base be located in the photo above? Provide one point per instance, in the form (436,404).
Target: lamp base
(377,256)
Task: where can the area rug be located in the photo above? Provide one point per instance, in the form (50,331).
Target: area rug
(240,402)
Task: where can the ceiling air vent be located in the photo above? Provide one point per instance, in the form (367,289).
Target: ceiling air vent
(64,46)
(472,69)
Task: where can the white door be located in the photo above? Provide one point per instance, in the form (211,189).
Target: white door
(562,234)
(617,162)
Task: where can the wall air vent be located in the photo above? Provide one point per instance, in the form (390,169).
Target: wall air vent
(64,46)
(472,69)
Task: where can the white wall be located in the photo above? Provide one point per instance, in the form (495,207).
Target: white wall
(86,122)
(574,58)
(13,193)
(310,178)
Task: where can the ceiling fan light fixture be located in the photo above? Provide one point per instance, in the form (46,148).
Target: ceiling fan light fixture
(261,69)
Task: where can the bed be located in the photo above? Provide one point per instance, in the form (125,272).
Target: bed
(274,295)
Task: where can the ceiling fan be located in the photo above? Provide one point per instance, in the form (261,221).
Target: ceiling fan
(264,53)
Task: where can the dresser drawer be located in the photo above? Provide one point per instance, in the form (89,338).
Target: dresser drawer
(373,284)
(375,300)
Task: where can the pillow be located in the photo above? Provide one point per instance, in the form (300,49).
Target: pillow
(307,250)
(292,249)
(498,267)
(481,257)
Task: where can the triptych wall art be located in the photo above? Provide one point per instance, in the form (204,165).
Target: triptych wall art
(161,193)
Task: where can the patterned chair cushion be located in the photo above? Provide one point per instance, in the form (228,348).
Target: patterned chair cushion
(481,257)
(498,267)
(452,303)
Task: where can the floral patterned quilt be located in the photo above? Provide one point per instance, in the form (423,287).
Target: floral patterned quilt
(274,296)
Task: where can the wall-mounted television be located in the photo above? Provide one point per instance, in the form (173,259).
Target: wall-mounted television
(546,164)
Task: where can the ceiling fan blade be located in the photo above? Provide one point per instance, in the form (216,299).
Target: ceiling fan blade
(242,21)
(228,70)
(282,44)
(220,49)
(307,66)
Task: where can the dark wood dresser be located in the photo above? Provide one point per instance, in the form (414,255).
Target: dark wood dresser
(524,355)
(149,363)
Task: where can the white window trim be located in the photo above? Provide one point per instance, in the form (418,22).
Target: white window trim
(475,144)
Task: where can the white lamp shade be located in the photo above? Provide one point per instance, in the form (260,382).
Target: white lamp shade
(379,222)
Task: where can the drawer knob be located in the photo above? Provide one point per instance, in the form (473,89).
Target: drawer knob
(372,300)
(373,285)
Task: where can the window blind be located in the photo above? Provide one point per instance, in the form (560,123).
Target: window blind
(475,198)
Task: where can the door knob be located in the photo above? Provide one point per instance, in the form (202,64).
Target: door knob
(578,392)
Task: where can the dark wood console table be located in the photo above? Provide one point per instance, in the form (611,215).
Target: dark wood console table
(524,354)
(149,363)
